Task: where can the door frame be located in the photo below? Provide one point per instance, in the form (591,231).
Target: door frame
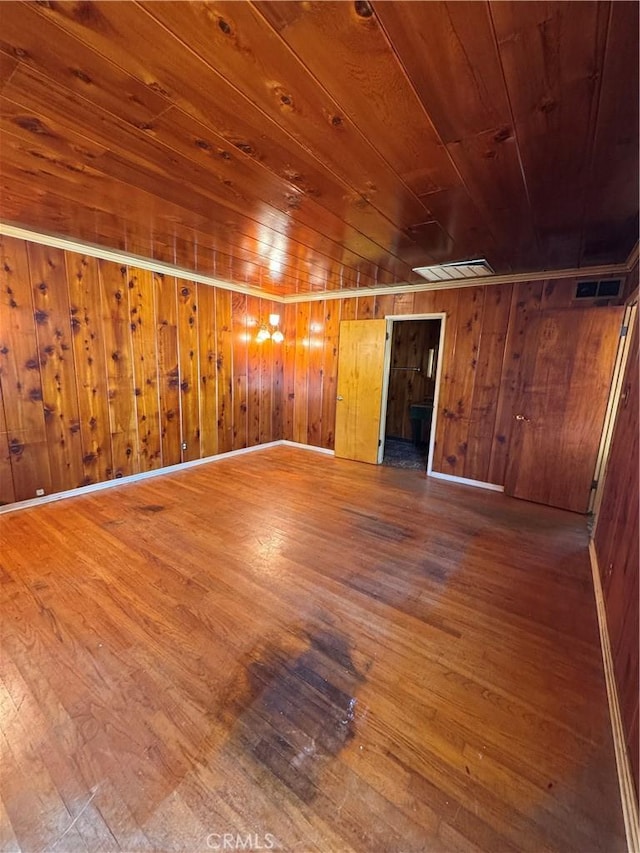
(398,318)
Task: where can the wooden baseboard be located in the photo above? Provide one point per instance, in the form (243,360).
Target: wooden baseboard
(157,472)
(313,447)
(625,776)
(465,481)
(132,478)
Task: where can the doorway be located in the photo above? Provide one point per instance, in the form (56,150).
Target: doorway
(411,392)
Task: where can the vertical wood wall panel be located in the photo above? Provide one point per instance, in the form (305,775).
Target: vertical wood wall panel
(189,357)
(384,306)
(267,356)
(203,379)
(145,366)
(330,370)
(207,342)
(20,375)
(276,361)
(239,394)
(315,379)
(105,370)
(446,450)
(302,391)
(53,329)
(254,351)
(366,308)
(459,379)
(120,385)
(224,370)
(91,371)
(7,492)
(168,368)
(349,309)
(480,367)
(489,359)
(289,370)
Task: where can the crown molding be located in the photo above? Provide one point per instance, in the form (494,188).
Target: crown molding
(456,284)
(121,257)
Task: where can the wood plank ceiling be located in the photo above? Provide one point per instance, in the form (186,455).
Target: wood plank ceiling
(309,146)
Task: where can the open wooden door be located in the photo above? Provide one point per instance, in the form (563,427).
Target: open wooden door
(566,368)
(359,389)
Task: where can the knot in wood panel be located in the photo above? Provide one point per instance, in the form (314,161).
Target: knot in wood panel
(363,9)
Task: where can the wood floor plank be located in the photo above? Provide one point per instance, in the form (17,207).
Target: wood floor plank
(315,653)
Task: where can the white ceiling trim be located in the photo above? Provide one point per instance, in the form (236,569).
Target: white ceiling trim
(183,273)
(128,259)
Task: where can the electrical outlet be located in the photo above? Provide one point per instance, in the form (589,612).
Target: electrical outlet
(184,445)
(39,493)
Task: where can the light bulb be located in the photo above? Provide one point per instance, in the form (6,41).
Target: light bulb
(274,319)
(277,337)
(263,335)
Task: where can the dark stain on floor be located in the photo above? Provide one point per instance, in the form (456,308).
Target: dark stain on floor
(374,526)
(151,508)
(293,710)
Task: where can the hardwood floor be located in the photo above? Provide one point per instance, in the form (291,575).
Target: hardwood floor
(286,650)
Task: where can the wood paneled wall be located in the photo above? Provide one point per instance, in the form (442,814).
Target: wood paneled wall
(480,363)
(408,379)
(107,370)
(616,543)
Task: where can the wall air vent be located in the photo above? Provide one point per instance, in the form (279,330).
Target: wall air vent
(456,270)
(608,288)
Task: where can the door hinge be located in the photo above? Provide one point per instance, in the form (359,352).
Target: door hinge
(379,442)
(594,484)
(623,331)
(387,336)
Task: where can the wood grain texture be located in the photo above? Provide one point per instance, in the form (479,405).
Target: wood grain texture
(207,342)
(189,355)
(166,299)
(293,384)
(7,491)
(254,373)
(240,344)
(460,359)
(554,99)
(480,367)
(224,367)
(106,370)
(91,370)
(567,362)
(526,299)
(20,375)
(361,357)
(117,337)
(611,215)
(616,542)
(301,391)
(143,325)
(259,142)
(355,677)
(47,273)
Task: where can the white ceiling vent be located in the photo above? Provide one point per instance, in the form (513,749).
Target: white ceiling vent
(456,270)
